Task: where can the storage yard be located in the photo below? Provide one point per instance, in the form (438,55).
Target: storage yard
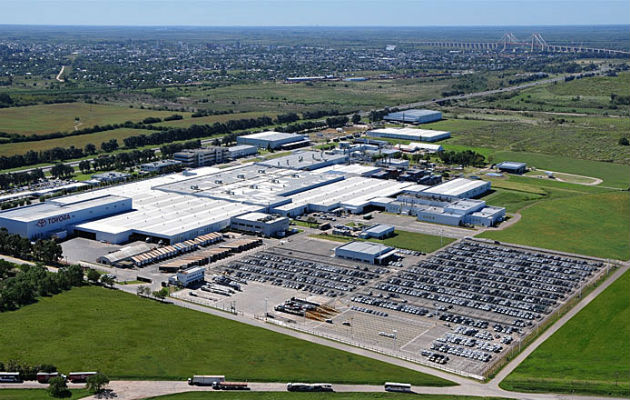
(460,309)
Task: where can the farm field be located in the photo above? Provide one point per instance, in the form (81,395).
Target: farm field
(401,239)
(310,396)
(79,141)
(49,118)
(589,354)
(589,224)
(168,342)
(37,394)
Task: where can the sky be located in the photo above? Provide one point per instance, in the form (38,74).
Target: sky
(315,12)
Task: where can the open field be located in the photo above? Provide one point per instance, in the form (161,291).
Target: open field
(590,224)
(37,394)
(309,396)
(344,96)
(589,354)
(402,240)
(167,342)
(61,117)
(512,200)
(588,138)
(615,175)
(79,141)
(586,95)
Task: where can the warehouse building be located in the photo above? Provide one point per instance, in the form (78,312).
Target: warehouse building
(459,188)
(414,116)
(60,218)
(368,252)
(270,139)
(125,253)
(417,146)
(306,160)
(261,223)
(242,150)
(380,231)
(202,157)
(512,167)
(350,170)
(423,135)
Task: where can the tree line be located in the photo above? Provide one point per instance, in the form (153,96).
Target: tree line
(25,283)
(11,244)
(463,158)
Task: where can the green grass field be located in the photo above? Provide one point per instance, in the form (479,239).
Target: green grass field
(79,141)
(589,354)
(61,117)
(310,396)
(126,337)
(37,394)
(402,240)
(615,175)
(590,224)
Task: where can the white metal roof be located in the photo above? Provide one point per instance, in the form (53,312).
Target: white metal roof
(456,187)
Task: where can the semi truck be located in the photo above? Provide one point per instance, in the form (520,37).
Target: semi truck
(206,380)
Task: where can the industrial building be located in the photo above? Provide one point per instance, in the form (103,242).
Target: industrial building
(428,208)
(261,223)
(242,150)
(270,139)
(512,167)
(188,277)
(59,218)
(202,157)
(350,170)
(459,188)
(379,231)
(423,135)
(111,177)
(415,146)
(161,166)
(368,252)
(306,160)
(414,116)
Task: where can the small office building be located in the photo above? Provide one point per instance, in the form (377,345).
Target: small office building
(242,150)
(368,252)
(188,277)
(202,157)
(161,166)
(380,231)
(261,223)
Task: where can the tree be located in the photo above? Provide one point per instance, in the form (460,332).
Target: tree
(84,166)
(356,118)
(90,149)
(161,294)
(47,251)
(624,141)
(58,388)
(93,275)
(107,280)
(96,382)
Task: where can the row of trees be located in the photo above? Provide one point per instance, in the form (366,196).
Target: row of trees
(20,178)
(27,372)
(33,281)
(463,158)
(47,251)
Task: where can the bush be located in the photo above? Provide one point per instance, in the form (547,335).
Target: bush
(58,387)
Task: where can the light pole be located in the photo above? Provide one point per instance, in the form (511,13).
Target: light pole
(266,299)
(395,332)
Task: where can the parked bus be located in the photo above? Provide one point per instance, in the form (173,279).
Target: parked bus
(310,387)
(79,377)
(397,387)
(45,377)
(10,377)
(230,386)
